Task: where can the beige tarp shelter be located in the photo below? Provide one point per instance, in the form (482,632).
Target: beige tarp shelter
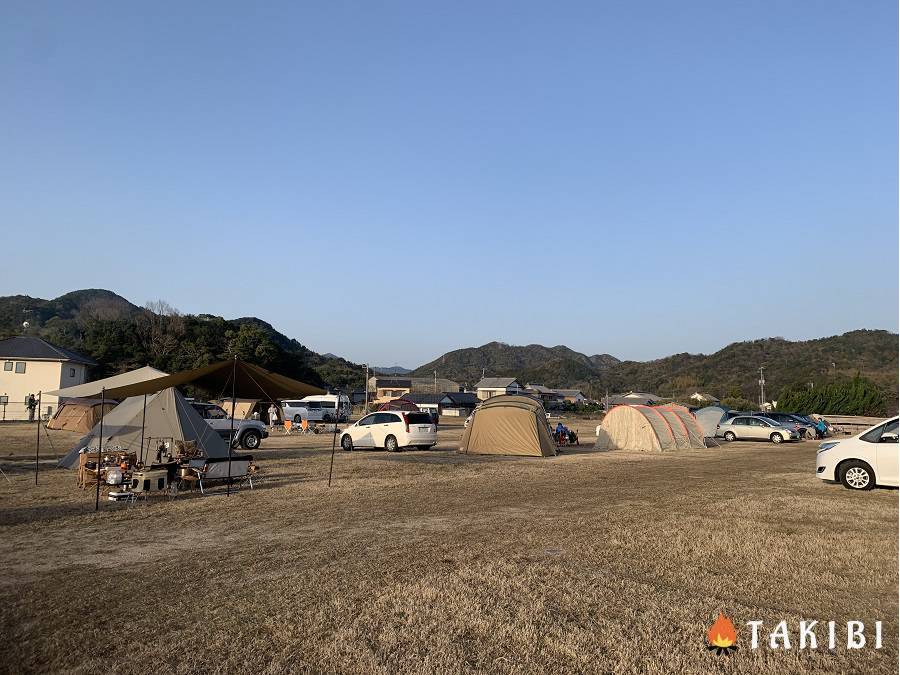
(244,379)
(509,425)
(243,407)
(132,427)
(649,429)
(93,389)
(79,414)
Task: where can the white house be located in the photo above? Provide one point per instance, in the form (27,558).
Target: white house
(497,386)
(703,398)
(572,396)
(32,365)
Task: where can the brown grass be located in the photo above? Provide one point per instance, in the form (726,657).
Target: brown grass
(435,562)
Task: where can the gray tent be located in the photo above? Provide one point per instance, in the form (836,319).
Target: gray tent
(168,417)
(708,418)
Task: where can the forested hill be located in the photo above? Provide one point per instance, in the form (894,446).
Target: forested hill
(121,336)
(730,372)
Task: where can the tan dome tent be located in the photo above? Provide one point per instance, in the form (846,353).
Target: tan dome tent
(79,414)
(645,429)
(509,425)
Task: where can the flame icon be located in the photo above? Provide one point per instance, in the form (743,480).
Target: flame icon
(722,635)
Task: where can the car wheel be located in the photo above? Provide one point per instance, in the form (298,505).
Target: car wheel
(297,419)
(347,443)
(250,440)
(776,438)
(857,475)
(326,417)
(729,436)
(390,444)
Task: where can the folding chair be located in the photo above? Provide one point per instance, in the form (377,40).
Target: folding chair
(288,426)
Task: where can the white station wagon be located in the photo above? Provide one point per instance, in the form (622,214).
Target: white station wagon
(755,428)
(391,431)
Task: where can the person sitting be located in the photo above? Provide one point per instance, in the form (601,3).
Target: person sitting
(821,428)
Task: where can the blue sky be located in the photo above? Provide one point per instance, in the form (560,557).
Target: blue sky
(389,181)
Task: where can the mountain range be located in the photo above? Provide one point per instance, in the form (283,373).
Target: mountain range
(121,335)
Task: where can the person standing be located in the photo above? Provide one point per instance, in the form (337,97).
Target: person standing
(31,404)
(273,416)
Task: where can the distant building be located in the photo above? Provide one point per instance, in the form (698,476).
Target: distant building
(574,396)
(549,397)
(459,404)
(384,389)
(497,386)
(703,398)
(427,402)
(32,365)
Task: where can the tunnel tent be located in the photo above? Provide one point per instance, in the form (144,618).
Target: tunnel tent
(167,417)
(676,426)
(708,419)
(509,425)
(694,431)
(79,414)
(636,428)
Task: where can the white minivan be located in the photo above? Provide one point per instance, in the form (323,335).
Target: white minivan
(391,430)
(296,411)
(334,407)
(864,461)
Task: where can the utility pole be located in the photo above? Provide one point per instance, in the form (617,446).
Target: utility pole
(435,382)
(366,387)
(762,388)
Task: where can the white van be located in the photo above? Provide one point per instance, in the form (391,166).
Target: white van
(296,411)
(334,407)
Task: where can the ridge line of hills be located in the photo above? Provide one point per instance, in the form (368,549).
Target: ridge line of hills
(121,335)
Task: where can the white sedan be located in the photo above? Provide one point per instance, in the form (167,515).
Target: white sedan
(391,430)
(864,461)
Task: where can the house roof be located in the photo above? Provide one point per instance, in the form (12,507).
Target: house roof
(495,382)
(462,398)
(539,389)
(703,397)
(427,399)
(569,392)
(38,349)
(392,382)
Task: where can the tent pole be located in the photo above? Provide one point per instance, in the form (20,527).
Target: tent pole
(231,435)
(334,435)
(143,425)
(37,447)
(100,447)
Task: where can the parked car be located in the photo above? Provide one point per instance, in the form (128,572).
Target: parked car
(864,461)
(795,422)
(333,406)
(391,431)
(754,428)
(296,411)
(247,433)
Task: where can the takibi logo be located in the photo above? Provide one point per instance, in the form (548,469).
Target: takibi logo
(722,636)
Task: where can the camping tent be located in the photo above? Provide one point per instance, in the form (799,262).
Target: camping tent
(93,389)
(509,425)
(79,414)
(645,428)
(708,418)
(399,404)
(168,417)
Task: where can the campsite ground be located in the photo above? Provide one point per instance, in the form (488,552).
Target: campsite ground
(432,561)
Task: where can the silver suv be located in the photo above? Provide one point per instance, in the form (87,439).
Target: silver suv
(247,433)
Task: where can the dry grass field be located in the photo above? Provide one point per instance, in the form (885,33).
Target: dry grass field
(429,561)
